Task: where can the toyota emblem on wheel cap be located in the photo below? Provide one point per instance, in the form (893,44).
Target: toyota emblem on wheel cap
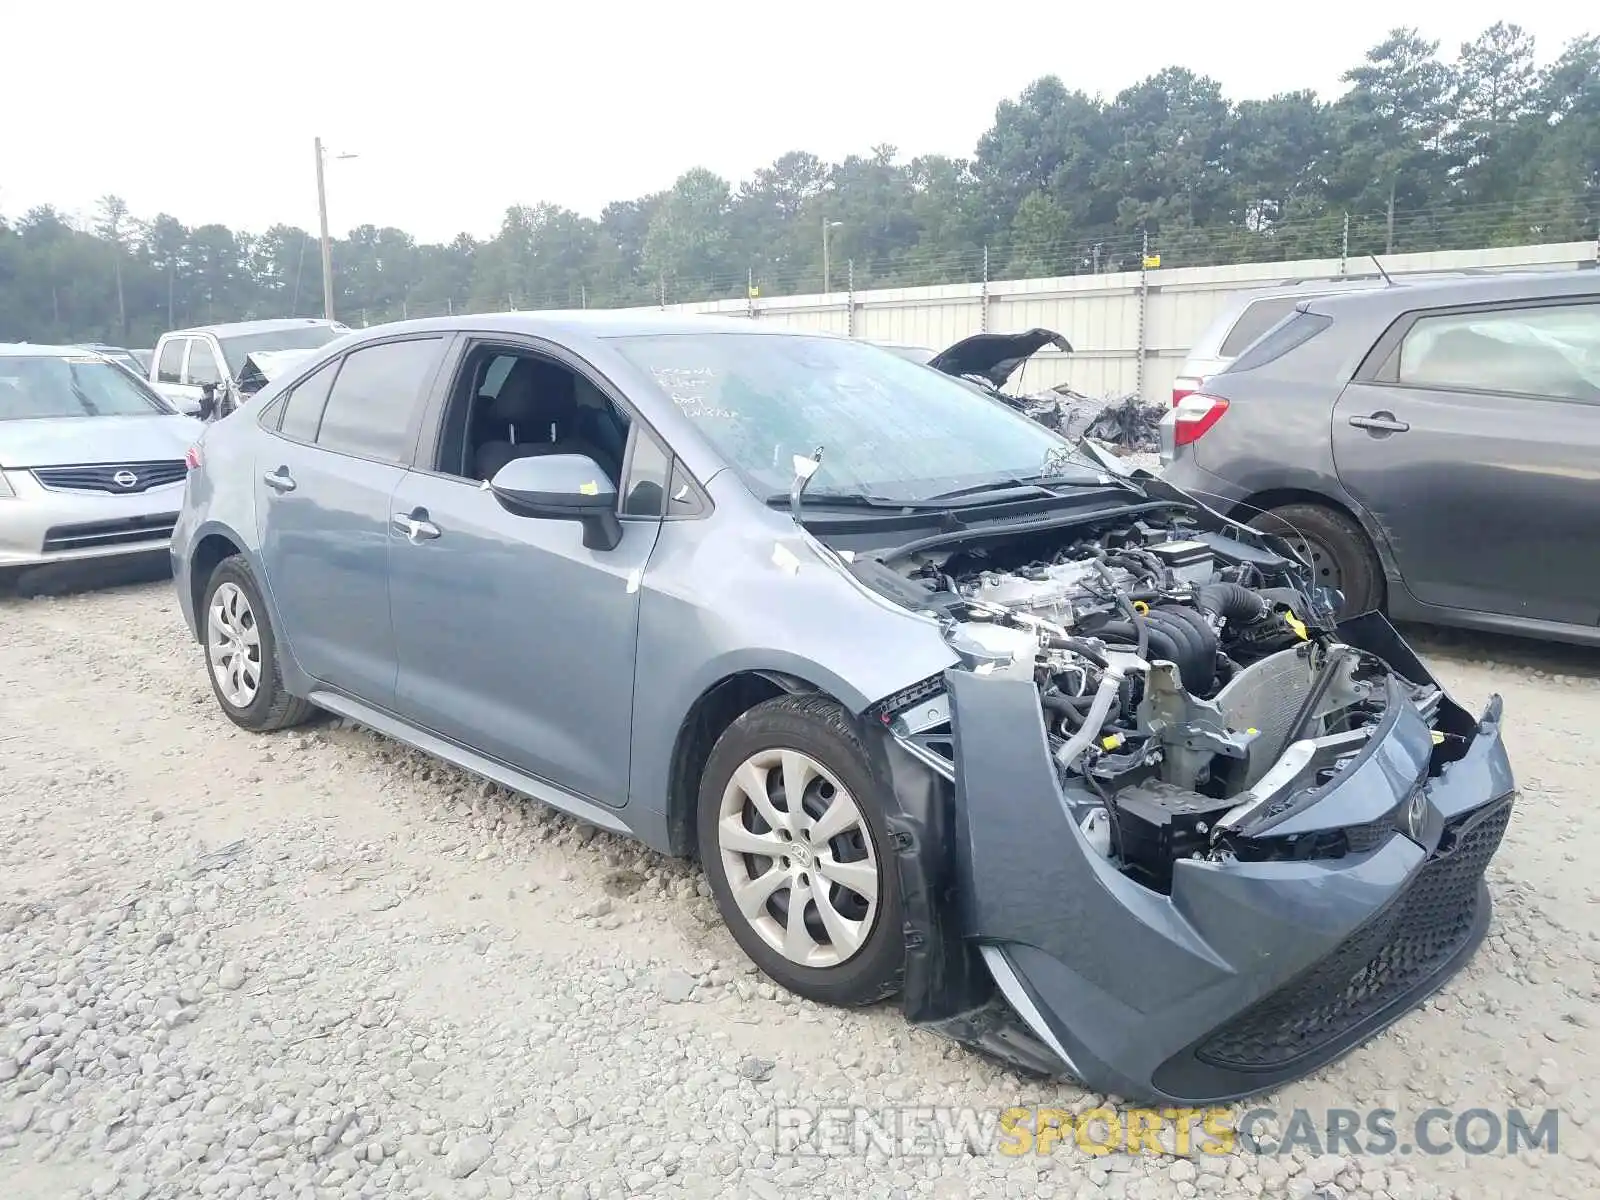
(125,479)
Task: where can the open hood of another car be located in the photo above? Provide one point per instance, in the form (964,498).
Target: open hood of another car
(994,357)
(261,367)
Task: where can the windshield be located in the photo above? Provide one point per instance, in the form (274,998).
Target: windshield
(916,354)
(890,427)
(305,337)
(36,386)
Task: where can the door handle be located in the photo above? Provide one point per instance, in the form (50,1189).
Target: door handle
(415,526)
(279,480)
(1380,422)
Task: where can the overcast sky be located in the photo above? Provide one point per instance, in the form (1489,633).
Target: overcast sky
(208,110)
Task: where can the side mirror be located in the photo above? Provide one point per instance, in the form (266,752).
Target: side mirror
(562,487)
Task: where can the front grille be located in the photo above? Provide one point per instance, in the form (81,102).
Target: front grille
(91,534)
(1380,963)
(112,477)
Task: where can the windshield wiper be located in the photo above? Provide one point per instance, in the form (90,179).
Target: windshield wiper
(1046,480)
(89,406)
(842,500)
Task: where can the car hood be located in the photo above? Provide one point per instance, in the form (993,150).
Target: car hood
(996,356)
(64,441)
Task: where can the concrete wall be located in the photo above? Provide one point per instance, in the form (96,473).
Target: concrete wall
(1113,321)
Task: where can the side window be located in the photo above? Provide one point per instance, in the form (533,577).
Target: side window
(170,368)
(1545,350)
(683,498)
(271,413)
(1288,335)
(1256,320)
(377,394)
(646,489)
(202,363)
(496,374)
(600,429)
(302,411)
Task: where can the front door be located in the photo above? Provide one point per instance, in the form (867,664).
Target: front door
(513,638)
(170,374)
(1476,449)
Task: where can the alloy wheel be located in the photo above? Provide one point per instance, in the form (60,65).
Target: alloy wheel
(799,858)
(233,645)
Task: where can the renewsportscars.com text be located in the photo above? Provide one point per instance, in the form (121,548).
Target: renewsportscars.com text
(1019,1131)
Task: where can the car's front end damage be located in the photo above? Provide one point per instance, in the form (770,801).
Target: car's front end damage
(1166,828)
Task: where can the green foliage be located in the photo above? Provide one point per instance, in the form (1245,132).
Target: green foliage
(1419,153)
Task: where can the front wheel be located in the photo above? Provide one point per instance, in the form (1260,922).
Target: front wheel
(242,653)
(794,845)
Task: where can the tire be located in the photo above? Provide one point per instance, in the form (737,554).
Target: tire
(1341,554)
(234,623)
(858,956)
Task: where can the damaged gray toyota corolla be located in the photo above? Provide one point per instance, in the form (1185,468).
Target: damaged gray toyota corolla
(946,707)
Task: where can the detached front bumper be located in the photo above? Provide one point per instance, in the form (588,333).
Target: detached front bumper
(1248,975)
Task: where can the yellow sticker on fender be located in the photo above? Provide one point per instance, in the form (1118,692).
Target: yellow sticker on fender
(588,489)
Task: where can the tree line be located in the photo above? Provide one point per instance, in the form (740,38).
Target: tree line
(1420,152)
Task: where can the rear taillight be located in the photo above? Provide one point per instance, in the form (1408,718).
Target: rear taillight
(1184,386)
(1194,415)
(191,458)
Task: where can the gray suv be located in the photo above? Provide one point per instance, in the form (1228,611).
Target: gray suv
(944,708)
(1431,445)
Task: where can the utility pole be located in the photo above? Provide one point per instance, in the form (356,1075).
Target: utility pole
(327,246)
(826,276)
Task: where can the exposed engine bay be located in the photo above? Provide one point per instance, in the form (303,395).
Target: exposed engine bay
(1192,687)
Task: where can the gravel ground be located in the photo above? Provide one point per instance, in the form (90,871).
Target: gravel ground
(317,964)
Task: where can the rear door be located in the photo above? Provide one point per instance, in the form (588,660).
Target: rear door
(323,488)
(1472,436)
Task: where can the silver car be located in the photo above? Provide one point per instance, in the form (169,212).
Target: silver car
(92,461)
(944,709)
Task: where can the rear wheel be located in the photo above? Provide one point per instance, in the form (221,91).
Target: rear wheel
(794,845)
(242,653)
(1339,550)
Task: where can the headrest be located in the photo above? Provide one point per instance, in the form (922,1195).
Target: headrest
(534,392)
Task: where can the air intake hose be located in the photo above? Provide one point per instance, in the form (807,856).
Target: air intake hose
(1231,601)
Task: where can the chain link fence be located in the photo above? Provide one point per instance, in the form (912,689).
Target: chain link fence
(1339,236)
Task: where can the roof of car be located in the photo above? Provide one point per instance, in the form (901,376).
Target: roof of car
(591,322)
(1474,289)
(244,328)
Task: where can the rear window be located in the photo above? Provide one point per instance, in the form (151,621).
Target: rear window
(1256,320)
(1295,331)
